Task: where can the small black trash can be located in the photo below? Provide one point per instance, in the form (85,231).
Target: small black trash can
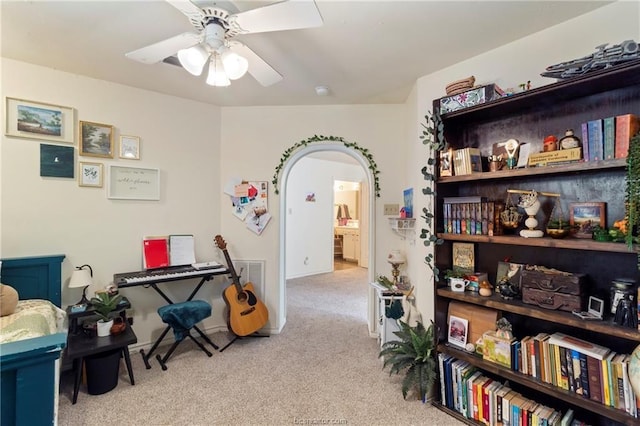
(102,371)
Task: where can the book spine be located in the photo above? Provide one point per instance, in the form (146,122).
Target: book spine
(627,126)
(585,141)
(570,376)
(604,370)
(584,375)
(595,378)
(596,148)
(478,207)
(609,132)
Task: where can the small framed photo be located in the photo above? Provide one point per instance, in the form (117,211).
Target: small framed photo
(584,216)
(96,140)
(130,147)
(458,329)
(90,174)
(37,120)
(446,166)
(509,272)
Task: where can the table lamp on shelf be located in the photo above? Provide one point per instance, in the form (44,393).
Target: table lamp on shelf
(82,278)
(396,259)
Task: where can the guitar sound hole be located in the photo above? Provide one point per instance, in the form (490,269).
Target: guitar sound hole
(242,297)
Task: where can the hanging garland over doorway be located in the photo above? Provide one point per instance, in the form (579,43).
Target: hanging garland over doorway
(321,138)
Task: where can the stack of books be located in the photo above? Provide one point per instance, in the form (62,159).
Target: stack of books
(472,215)
(608,138)
(467,161)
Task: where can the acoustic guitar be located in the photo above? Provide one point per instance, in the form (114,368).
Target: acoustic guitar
(247,314)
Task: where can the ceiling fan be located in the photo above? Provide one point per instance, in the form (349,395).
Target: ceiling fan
(213,42)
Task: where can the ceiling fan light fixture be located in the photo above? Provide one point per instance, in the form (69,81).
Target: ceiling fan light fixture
(217,77)
(193,59)
(235,65)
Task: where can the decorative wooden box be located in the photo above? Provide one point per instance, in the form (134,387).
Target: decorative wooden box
(553,289)
(475,96)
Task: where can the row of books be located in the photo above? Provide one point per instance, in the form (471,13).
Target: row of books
(468,215)
(466,161)
(584,368)
(465,389)
(608,138)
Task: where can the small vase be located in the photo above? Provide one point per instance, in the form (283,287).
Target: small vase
(104,328)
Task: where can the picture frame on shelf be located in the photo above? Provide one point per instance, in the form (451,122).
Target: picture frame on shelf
(463,255)
(446,165)
(509,271)
(583,217)
(96,139)
(129,147)
(38,120)
(458,331)
(90,174)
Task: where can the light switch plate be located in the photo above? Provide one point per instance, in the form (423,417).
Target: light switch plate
(391,209)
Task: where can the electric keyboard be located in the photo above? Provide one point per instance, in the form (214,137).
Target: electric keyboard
(129,279)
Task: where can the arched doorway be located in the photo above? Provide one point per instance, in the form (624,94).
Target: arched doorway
(372,190)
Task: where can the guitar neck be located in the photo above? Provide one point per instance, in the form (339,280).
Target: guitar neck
(234,275)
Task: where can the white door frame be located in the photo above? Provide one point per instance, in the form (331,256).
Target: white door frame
(337,147)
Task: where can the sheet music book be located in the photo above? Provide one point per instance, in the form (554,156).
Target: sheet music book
(155,252)
(181,250)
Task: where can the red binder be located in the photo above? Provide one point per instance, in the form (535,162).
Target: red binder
(155,253)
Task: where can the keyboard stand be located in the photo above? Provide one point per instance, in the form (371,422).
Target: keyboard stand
(236,337)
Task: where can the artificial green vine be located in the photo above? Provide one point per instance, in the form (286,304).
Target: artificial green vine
(321,138)
(432,136)
(632,195)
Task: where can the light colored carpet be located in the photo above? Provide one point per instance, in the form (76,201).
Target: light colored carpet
(322,369)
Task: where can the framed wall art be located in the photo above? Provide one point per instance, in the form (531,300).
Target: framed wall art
(90,174)
(133,183)
(584,216)
(37,120)
(446,167)
(56,161)
(96,140)
(130,147)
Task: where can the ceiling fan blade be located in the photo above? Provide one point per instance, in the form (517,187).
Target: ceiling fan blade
(158,51)
(258,68)
(287,15)
(189,9)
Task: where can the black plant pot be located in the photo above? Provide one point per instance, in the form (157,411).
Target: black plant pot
(102,371)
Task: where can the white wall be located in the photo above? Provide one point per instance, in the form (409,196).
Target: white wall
(43,216)
(310,224)
(508,66)
(253,140)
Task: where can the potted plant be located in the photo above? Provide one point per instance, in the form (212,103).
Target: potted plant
(413,354)
(632,193)
(103,304)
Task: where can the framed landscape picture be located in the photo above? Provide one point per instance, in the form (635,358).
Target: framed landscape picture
(36,120)
(96,140)
(584,216)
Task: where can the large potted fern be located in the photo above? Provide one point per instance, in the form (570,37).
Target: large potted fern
(413,354)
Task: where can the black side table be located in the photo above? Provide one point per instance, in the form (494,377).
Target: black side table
(81,346)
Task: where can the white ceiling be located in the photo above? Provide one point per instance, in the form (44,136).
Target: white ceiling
(366,51)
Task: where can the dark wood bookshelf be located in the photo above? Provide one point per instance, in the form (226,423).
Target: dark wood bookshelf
(532,383)
(530,117)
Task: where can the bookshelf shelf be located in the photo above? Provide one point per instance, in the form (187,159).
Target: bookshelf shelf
(567,243)
(596,407)
(517,307)
(530,117)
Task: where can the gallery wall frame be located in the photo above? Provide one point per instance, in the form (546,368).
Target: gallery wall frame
(56,161)
(39,120)
(90,174)
(133,183)
(129,147)
(96,139)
